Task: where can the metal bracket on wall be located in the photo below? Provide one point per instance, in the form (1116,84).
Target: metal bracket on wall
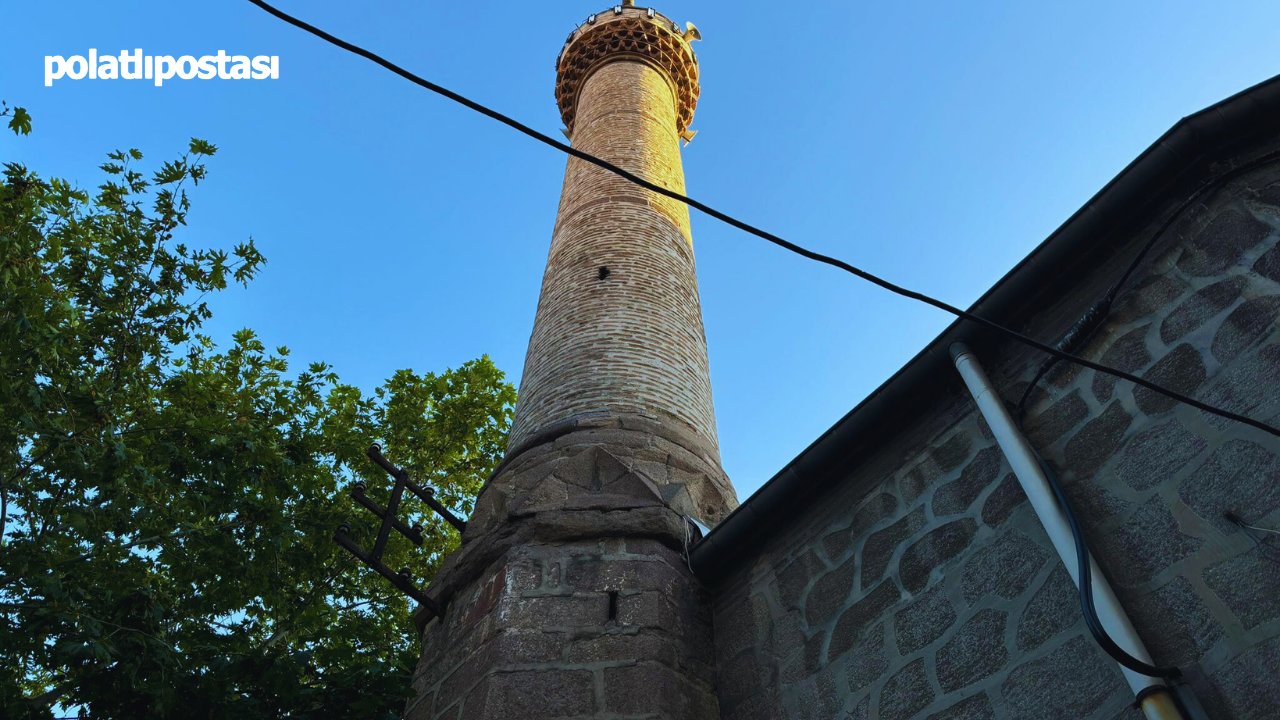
(373,558)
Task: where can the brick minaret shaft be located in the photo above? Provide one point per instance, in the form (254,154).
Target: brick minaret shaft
(619,325)
(570,596)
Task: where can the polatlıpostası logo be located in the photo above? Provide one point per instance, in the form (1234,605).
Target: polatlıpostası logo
(136,66)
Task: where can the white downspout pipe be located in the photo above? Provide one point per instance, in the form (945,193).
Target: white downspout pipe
(1026,466)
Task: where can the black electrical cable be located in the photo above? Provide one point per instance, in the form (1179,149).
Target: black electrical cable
(1074,338)
(1208,186)
(1096,315)
(1085,584)
(637,180)
(1083,570)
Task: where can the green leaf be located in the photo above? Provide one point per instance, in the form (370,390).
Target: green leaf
(20,123)
(200,147)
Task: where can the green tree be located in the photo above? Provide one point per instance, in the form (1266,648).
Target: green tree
(168,506)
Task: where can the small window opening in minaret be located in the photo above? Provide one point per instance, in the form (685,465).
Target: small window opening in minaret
(604,272)
(613,604)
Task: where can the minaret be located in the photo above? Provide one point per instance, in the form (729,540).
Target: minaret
(571,594)
(619,327)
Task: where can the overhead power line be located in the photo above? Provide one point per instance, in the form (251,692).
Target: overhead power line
(753,230)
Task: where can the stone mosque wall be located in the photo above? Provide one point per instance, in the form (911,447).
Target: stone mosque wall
(923,586)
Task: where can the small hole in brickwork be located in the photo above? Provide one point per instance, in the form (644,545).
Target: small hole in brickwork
(604,272)
(613,604)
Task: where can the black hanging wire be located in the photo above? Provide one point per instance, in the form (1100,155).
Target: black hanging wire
(751,229)
(1079,333)
(1085,586)
(1096,315)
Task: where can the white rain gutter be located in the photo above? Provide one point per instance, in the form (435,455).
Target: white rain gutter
(1026,466)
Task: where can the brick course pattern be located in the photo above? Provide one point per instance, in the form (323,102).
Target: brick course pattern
(619,325)
(924,587)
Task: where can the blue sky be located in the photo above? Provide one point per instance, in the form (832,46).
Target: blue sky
(932,143)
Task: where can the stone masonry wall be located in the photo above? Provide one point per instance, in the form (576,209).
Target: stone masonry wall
(923,586)
(611,628)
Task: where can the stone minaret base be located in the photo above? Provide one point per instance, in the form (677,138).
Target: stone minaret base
(571,596)
(612,627)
